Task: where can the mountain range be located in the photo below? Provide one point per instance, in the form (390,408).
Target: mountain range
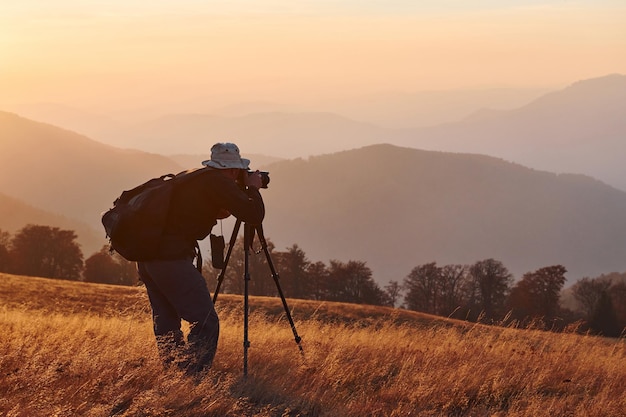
(578,129)
(373,195)
(398,208)
(392,207)
(15,214)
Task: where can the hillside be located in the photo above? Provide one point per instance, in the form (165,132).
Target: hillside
(398,208)
(15,214)
(71,297)
(394,208)
(386,109)
(579,129)
(86,349)
(67,173)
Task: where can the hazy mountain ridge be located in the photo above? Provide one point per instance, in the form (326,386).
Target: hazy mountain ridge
(578,129)
(191,161)
(397,208)
(390,206)
(67,173)
(388,110)
(393,207)
(284,135)
(15,214)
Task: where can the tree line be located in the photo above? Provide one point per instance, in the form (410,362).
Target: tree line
(482,292)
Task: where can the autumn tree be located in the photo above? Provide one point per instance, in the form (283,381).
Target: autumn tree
(5,240)
(489,282)
(109,268)
(210,275)
(618,297)
(319,281)
(352,282)
(45,251)
(261,281)
(603,319)
(293,271)
(536,295)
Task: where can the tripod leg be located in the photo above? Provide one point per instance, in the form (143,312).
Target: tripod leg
(247,242)
(298,339)
(231,245)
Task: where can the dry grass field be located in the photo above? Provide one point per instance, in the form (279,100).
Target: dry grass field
(77,349)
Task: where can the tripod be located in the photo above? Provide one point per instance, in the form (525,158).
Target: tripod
(248,237)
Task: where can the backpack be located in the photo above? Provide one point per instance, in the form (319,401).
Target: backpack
(137,220)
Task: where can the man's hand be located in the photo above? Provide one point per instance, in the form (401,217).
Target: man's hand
(254,180)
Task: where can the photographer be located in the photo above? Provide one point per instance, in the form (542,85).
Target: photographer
(175,287)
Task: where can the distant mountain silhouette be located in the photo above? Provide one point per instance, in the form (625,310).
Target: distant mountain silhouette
(387,109)
(395,110)
(283,135)
(397,208)
(91,124)
(190,161)
(15,214)
(390,206)
(57,177)
(66,173)
(580,129)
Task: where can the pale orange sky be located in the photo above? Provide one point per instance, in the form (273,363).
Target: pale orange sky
(91,53)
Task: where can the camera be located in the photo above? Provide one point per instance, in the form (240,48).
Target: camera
(265,177)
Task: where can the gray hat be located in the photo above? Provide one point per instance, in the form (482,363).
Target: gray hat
(226,155)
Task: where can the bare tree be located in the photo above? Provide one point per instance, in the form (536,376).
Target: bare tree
(588,292)
(422,286)
(490,283)
(393,290)
(451,281)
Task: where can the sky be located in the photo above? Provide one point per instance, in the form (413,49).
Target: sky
(102,53)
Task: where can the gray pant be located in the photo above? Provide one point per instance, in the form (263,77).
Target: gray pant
(178,291)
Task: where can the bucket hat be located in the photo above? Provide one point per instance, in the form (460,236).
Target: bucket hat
(226,155)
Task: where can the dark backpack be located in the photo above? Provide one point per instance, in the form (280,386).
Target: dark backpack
(137,220)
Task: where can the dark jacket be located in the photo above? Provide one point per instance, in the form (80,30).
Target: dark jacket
(195,206)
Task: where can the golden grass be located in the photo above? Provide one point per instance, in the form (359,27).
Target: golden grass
(92,353)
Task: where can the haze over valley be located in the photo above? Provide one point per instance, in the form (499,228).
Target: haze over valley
(576,129)
(395,133)
(393,207)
